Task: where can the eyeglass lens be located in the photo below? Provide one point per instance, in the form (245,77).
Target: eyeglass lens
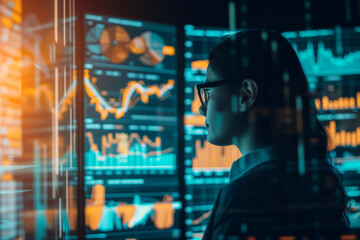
(204,95)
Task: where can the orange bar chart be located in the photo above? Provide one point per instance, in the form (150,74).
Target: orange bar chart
(343,138)
(342,103)
(195,119)
(98,215)
(200,64)
(196,103)
(211,157)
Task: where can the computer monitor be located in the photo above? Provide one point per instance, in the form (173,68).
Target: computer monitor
(131,133)
(330,59)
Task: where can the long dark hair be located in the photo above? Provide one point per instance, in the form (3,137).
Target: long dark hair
(285,108)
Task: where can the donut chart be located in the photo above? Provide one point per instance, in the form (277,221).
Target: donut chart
(153,45)
(92,40)
(114,44)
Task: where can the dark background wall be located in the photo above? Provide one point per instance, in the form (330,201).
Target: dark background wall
(277,15)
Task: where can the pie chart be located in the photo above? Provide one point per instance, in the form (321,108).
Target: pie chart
(150,45)
(92,40)
(115,44)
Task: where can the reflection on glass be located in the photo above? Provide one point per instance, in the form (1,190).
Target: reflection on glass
(38,161)
(11,188)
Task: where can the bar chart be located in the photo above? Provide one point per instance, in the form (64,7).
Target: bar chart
(128,152)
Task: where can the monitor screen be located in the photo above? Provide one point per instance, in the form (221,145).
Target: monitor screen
(330,59)
(131,173)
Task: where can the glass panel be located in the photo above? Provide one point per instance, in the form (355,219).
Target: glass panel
(38,160)
(12,189)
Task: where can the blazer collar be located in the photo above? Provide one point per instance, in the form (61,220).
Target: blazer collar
(251,160)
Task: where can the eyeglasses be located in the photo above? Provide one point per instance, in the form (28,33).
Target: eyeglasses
(203,89)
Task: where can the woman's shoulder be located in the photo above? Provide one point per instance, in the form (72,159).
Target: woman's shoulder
(264,192)
(256,183)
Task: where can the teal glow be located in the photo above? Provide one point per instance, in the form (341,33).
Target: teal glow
(316,33)
(327,63)
(290,34)
(125,22)
(93,17)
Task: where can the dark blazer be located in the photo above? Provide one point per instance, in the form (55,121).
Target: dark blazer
(264,203)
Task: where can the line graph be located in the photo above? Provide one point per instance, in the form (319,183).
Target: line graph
(133,87)
(123,216)
(326,63)
(130,152)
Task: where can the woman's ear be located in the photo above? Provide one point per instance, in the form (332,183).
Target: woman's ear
(247,94)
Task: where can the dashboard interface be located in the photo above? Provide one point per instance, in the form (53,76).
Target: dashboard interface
(131,173)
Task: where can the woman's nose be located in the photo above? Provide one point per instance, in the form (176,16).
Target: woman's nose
(202,110)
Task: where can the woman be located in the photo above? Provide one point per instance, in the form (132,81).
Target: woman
(256,98)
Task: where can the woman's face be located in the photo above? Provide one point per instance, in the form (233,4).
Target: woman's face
(221,122)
